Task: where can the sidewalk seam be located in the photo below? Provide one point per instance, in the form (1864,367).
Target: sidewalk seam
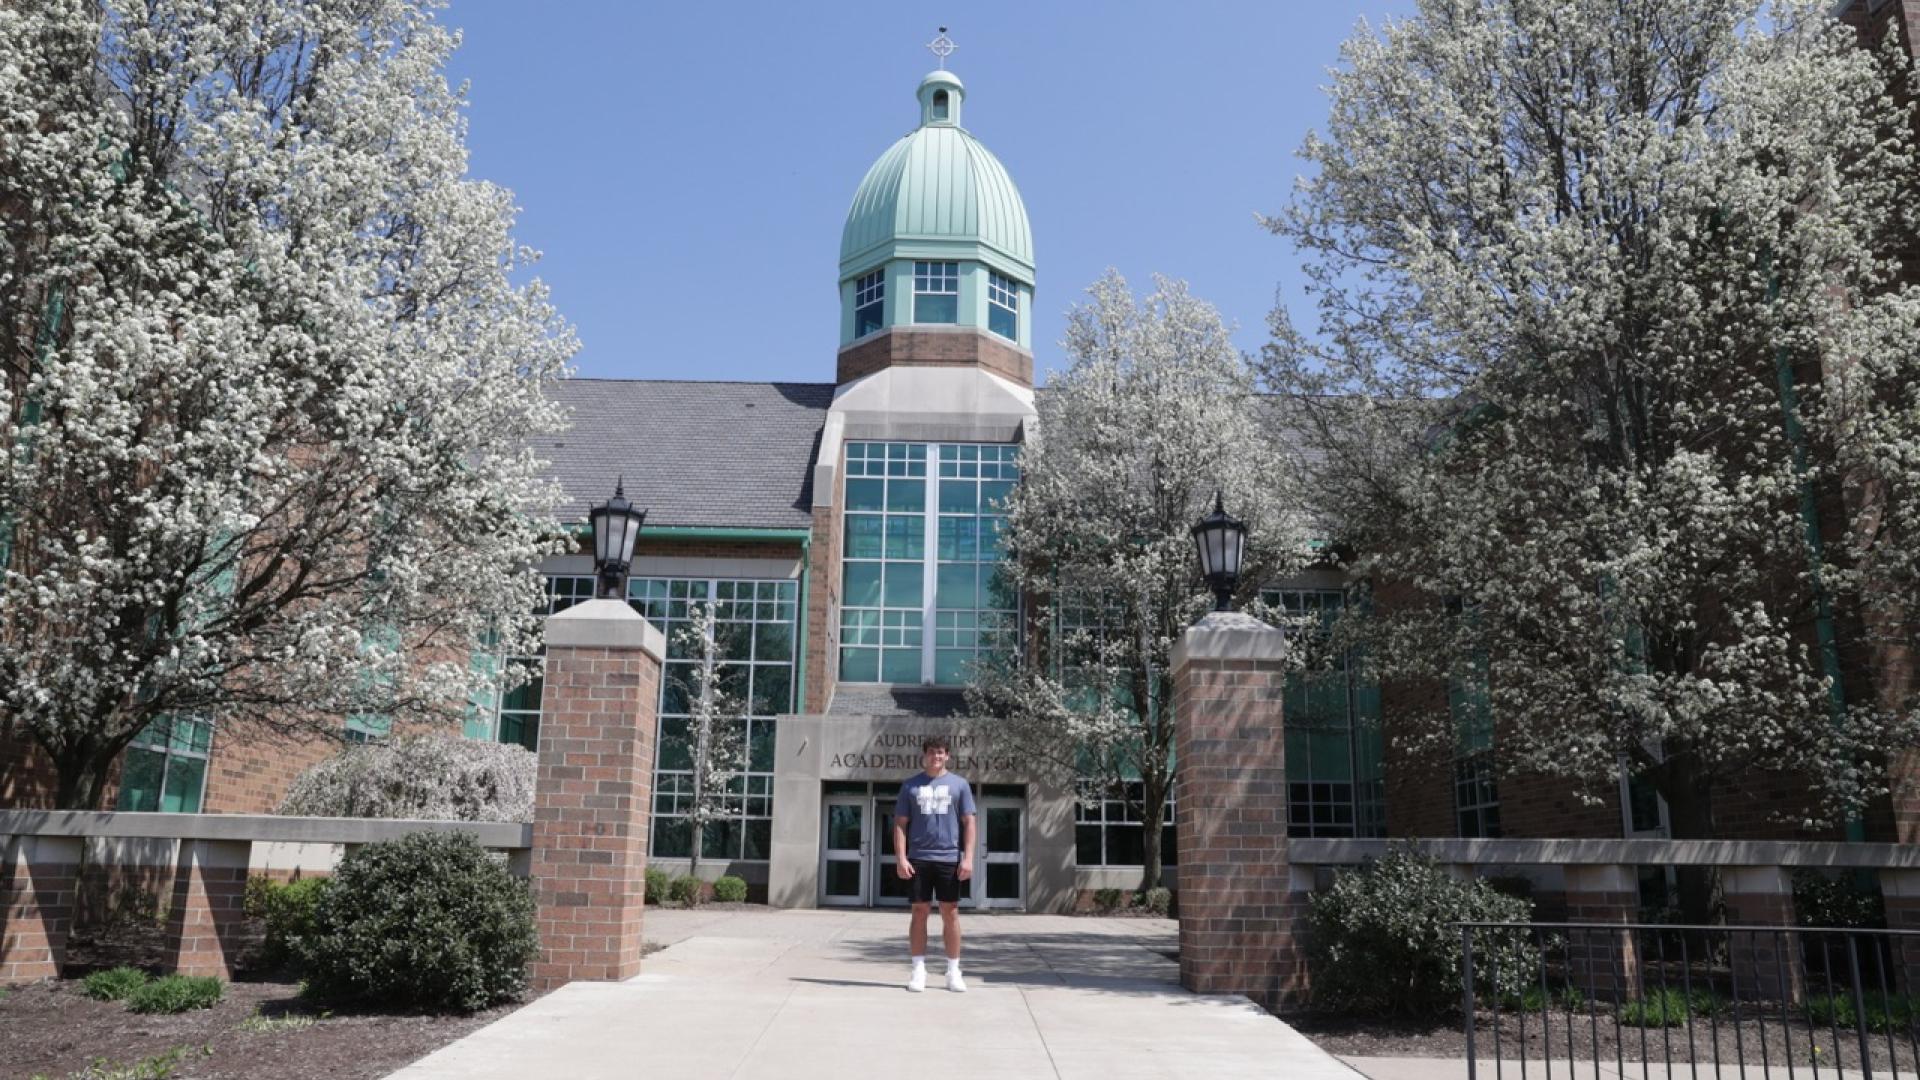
(1039,1034)
(764,1028)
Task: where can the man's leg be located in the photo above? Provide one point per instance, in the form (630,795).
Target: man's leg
(950,929)
(917,930)
(950,933)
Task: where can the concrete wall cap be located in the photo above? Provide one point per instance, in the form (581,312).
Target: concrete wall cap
(1229,635)
(250,827)
(1593,852)
(605,624)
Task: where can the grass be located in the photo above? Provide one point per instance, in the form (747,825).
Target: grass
(177,994)
(157,1067)
(267,1025)
(1533,999)
(1669,1007)
(1897,1013)
(116,984)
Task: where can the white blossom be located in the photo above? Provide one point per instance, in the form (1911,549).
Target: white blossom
(269,377)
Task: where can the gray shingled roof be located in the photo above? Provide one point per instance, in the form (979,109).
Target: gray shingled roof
(862,699)
(727,454)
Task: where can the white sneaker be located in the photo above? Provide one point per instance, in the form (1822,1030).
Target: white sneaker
(918,980)
(955,983)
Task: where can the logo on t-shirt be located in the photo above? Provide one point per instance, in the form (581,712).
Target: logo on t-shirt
(934,798)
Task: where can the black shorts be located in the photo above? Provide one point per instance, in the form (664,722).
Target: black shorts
(935,881)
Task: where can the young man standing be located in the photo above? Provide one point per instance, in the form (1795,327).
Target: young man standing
(933,849)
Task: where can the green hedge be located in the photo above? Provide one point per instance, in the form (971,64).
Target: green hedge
(730,890)
(429,921)
(287,910)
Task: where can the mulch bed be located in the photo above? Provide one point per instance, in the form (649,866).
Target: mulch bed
(1593,1037)
(52,1029)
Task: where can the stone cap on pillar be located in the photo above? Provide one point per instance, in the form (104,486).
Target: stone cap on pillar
(1229,635)
(605,624)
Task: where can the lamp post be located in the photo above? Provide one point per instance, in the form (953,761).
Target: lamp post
(616,525)
(1222,542)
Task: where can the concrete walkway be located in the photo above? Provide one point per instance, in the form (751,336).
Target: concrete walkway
(801,994)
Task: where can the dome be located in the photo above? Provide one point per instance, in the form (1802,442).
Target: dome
(938,193)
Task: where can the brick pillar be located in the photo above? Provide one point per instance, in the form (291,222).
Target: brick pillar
(1241,906)
(1604,961)
(1764,963)
(205,923)
(38,882)
(1901,891)
(589,859)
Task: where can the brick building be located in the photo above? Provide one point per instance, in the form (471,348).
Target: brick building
(846,535)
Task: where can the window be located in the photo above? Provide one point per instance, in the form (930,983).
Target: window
(1107,829)
(1476,798)
(1336,774)
(1003,306)
(1476,792)
(936,292)
(939,104)
(869,302)
(905,618)
(515,716)
(754,633)
(165,768)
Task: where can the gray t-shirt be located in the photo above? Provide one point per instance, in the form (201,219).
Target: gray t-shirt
(933,807)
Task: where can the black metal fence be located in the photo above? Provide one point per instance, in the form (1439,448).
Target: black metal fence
(1674,1001)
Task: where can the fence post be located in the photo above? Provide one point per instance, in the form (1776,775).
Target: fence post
(1466,994)
(1240,904)
(594,794)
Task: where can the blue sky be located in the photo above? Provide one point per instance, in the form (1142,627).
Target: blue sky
(686,168)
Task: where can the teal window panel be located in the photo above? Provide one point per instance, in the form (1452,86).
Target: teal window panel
(953,667)
(860,584)
(905,585)
(865,535)
(901,666)
(956,585)
(906,496)
(866,494)
(774,641)
(959,498)
(861,665)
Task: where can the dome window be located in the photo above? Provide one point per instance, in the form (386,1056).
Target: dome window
(936,292)
(939,104)
(1003,306)
(869,302)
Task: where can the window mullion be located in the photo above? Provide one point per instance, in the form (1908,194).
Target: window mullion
(930,564)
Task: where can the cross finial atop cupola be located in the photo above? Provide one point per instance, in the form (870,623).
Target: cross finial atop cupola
(942,47)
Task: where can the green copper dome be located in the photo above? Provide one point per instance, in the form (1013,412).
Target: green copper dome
(938,194)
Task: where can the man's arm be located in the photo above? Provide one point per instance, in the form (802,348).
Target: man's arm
(900,864)
(966,847)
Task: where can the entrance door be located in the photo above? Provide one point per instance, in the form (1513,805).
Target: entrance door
(888,889)
(1000,876)
(843,858)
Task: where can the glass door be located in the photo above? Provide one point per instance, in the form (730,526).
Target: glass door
(1000,875)
(843,851)
(888,889)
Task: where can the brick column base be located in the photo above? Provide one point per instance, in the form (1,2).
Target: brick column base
(1765,965)
(39,879)
(1241,904)
(1604,961)
(205,924)
(594,794)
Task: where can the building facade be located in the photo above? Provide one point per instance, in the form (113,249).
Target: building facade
(846,538)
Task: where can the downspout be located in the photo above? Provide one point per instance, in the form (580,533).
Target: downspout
(800,628)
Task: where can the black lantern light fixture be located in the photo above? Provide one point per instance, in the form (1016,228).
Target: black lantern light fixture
(1221,541)
(616,525)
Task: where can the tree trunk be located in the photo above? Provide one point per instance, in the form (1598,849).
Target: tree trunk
(1690,814)
(1153,812)
(80,775)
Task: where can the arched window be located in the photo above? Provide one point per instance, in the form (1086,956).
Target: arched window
(939,104)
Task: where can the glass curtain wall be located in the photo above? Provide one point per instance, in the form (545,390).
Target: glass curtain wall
(922,596)
(1336,773)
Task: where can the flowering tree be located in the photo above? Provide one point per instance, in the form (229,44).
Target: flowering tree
(713,737)
(1154,414)
(265,379)
(1611,328)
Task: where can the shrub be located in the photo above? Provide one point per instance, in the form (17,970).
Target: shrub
(730,890)
(1158,900)
(177,994)
(1108,899)
(658,884)
(287,911)
(684,890)
(113,985)
(429,777)
(1841,900)
(429,920)
(1386,939)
